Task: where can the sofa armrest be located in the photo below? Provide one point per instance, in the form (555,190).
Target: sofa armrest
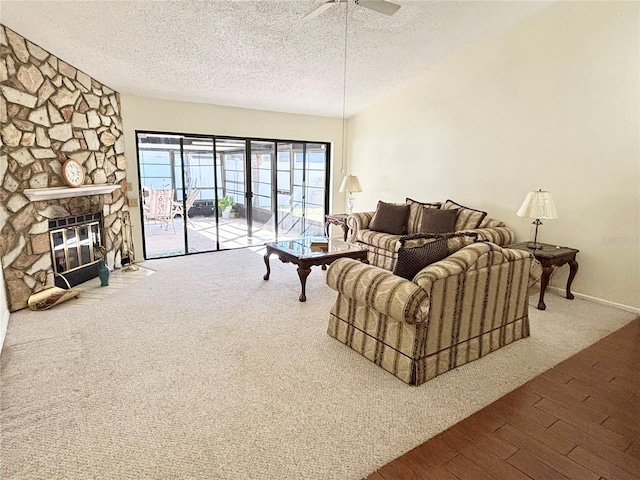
(379,289)
(358,221)
(476,255)
(490,222)
(501,236)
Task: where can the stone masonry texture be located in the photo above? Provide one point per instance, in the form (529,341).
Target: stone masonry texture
(51,111)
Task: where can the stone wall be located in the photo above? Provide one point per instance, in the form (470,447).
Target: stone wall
(51,111)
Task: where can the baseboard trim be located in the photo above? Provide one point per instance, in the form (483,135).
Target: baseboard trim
(597,300)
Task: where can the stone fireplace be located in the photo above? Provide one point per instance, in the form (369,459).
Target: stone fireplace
(51,111)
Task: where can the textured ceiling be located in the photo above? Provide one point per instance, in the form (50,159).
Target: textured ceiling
(259,54)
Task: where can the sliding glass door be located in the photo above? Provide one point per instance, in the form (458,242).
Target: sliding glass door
(263,215)
(196,180)
(159,158)
(205,193)
(315,188)
(302,189)
(235,221)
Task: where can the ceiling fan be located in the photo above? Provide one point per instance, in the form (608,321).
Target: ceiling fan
(380,6)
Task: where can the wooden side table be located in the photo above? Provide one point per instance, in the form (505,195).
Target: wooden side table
(552,256)
(339,219)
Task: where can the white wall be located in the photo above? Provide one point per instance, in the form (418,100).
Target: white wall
(552,104)
(4,312)
(142,113)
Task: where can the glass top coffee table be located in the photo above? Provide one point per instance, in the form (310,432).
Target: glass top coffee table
(309,252)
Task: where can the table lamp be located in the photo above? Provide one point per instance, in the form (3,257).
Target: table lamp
(350,184)
(538,205)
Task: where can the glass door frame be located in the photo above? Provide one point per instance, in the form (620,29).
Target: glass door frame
(248,180)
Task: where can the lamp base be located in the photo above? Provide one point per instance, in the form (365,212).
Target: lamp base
(535,245)
(350,204)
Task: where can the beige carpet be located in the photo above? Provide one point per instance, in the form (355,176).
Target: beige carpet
(205,371)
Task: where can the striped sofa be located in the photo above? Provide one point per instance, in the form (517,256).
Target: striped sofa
(453,311)
(383,247)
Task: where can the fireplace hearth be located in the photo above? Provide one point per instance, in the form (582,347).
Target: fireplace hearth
(75,243)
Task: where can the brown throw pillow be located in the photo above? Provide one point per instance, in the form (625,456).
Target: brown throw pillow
(438,221)
(468,218)
(415,214)
(412,260)
(390,218)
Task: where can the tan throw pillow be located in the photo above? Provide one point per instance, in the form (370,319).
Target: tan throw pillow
(468,218)
(438,221)
(415,214)
(390,218)
(412,260)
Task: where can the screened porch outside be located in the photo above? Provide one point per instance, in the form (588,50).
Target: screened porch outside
(203,235)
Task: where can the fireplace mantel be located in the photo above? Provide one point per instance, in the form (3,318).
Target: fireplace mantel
(52,193)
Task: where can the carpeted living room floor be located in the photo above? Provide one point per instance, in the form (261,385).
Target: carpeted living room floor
(203,370)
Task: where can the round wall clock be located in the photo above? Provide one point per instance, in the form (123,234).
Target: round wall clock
(73,173)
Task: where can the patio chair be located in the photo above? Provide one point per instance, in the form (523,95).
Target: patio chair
(161,208)
(179,207)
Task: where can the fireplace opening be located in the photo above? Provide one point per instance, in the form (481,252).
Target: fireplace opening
(75,243)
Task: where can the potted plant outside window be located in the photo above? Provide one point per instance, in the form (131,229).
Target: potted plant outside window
(225,204)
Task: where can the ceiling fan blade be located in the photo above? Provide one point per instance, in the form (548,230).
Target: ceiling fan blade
(318,10)
(380,6)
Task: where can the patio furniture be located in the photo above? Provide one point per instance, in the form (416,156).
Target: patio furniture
(179,207)
(161,208)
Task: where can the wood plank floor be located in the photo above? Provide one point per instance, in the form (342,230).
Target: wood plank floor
(579,420)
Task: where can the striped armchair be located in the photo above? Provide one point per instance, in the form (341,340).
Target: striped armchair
(453,311)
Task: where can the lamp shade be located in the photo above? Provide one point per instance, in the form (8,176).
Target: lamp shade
(349,184)
(538,205)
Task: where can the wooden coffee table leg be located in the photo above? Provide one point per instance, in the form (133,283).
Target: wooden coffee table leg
(303,273)
(266,262)
(573,269)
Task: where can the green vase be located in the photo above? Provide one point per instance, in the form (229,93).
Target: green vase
(103,273)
